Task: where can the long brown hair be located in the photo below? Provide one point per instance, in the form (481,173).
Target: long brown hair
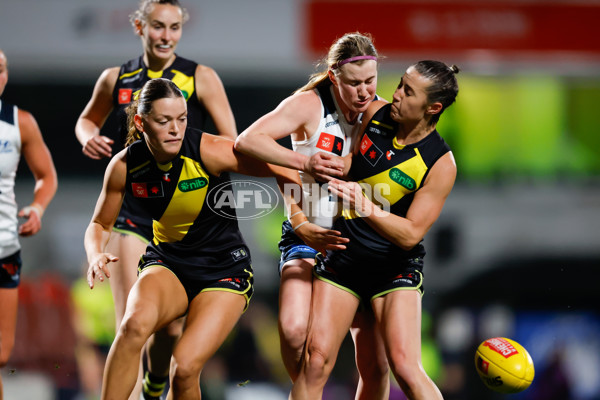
(350,45)
(154,89)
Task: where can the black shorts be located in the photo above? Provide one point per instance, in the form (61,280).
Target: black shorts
(10,271)
(229,272)
(368,279)
(138,223)
(292,247)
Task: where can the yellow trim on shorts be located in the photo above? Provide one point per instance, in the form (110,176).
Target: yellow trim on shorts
(160,266)
(250,286)
(234,292)
(130,233)
(337,285)
(418,289)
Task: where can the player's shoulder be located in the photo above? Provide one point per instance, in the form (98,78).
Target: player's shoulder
(108,78)
(373,108)
(303,100)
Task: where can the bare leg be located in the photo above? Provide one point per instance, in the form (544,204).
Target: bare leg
(155,300)
(128,248)
(160,347)
(211,317)
(9,302)
(399,317)
(294,310)
(332,312)
(371,361)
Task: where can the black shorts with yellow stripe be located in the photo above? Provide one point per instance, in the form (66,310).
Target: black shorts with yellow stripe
(370,278)
(229,271)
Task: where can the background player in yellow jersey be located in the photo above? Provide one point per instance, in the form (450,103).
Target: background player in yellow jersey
(401,152)
(19,136)
(159,24)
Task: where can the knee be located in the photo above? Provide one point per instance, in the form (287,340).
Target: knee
(171,332)
(318,360)
(185,371)
(407,372)
(6,347)
(175,329)
(293,331)
(135,330)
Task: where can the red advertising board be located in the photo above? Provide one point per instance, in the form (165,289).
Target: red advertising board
(410,26)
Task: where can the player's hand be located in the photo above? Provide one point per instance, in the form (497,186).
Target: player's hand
(98,147)
(353,197)
(98,267)
(324,166)
(33,213)
(321,239)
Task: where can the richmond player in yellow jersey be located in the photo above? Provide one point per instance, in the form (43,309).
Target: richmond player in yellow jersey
(404,172)
(197,263)
(159,24)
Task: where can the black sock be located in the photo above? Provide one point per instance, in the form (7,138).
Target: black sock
(153,385)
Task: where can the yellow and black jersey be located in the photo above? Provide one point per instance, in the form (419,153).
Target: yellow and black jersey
(132,77)
(134,74)
(192,225)
(390,174)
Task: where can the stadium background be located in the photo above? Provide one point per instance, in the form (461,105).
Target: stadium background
(515,253)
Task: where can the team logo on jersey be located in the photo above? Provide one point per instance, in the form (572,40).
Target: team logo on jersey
(6,147)
(192,184)
(368,149)
(331,143)
(402,179)
(239,254)
(147,189)
(125,96)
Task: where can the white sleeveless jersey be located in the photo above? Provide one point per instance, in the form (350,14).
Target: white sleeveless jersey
(10,153)
(333,135)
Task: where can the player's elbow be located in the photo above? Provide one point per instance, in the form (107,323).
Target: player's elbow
(242,143)
(409,241)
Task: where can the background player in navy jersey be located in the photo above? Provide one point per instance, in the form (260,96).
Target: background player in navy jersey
(322,116)
(159,24)
(401,155)
(19,135)
(197,263)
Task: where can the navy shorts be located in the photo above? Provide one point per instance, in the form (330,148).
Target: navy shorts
(10,271)
(368,279)
(292,247)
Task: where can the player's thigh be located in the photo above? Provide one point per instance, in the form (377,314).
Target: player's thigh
(296,289)
(399,319)
(211,317)
(157,298)
(128,248)
(333,310)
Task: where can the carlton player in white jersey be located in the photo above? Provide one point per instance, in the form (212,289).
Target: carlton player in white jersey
(19,134)
(333,135)
(321,118)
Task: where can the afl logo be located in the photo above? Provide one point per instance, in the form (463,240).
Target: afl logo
(243,199)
